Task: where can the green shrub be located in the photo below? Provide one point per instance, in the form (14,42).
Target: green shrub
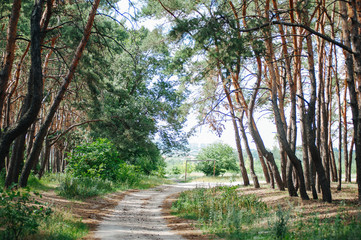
(128,174)
(2,178)
(20,214)
(176,170)
(226,159)
(180,168)
(150,163)
(279,226)
(81,188)
(94,160)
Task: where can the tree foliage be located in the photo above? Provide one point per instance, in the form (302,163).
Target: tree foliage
(224,155)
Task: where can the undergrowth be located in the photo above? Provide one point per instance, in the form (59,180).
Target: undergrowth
(81,188)
(20,213)
(220,210)
(226,213)
(60,225)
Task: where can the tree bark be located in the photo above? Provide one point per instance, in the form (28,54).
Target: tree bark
(249,153)
(45,160)
(315,155)
(7,66)
(38,143)
(350,157)
(33,99)
(9,51)
(280,124)
(258,140)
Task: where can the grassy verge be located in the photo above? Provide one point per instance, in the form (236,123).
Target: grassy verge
(231,214)
(61,223)
(82,188)
(26,216)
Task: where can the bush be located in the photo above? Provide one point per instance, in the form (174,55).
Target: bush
(129,174)
(81,188)
(224,155)
(180,168)
(176,170)
(94,160)
(279,226)
(150,163)
(20,214)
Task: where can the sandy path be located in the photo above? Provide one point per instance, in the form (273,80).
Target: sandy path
(139,215)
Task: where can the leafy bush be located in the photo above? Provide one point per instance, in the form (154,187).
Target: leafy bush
(180,168)
(279,226)
(150,163)
(94,160)
(84,187)
(129,174)
(176,170)
(2,178)
(224,155)
(20,214)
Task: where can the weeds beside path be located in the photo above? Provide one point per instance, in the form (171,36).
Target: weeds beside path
(285,217)
(91,210)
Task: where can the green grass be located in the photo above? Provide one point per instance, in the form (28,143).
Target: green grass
(220,210)
(82,188)
(151,181)
(221,179)
(226,213)
(60,225)
(342,226)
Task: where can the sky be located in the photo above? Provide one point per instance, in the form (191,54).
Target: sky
(203,135)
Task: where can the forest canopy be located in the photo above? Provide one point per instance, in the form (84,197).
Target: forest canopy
(77,71)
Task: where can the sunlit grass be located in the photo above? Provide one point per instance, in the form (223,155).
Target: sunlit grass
(221,211)
(60,225)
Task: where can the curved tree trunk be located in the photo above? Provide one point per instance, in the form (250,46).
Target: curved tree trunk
(38,143)
(235,128)
(315,155)
(6,69)
(280,124)
(32,102)
(249,153)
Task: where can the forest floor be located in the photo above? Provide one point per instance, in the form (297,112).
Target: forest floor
(146,214)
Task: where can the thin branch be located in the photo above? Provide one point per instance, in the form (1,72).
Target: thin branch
(54,140)
(327,38)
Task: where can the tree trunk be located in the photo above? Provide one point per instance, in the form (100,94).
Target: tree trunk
(9,52)
(16,161)
(34,155)
(290,185)
(45,159)
(281,134)
(310,122)
(235,128)
(350,158)
(249,153)
(6,69)
(240,153)
(283,165)
(32,102)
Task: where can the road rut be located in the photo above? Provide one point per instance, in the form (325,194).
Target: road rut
(139,215)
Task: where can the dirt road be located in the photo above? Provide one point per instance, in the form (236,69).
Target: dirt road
(139,215)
